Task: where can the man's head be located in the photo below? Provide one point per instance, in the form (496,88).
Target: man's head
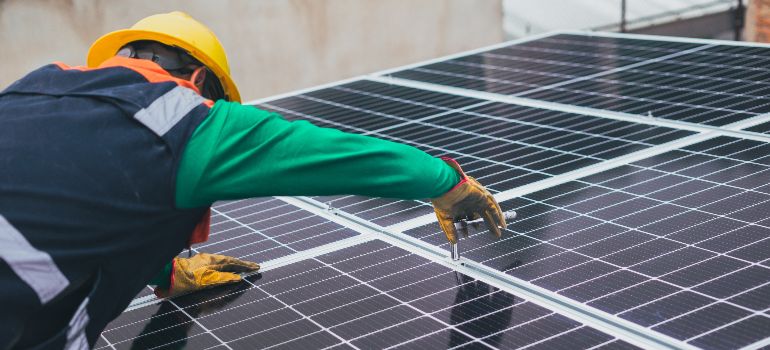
(178,63)
(179,44)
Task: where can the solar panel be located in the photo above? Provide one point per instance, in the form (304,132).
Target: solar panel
(372,295)
(698,83)
(678,243)
(631,230)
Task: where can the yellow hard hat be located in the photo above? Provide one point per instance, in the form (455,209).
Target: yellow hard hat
(173,29)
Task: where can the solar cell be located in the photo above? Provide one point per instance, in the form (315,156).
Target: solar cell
(673,242)
(699,83)
(372,295)
(763,128)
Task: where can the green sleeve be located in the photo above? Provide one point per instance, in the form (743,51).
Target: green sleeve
(241,151)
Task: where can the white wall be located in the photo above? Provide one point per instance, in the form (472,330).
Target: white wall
(274,46)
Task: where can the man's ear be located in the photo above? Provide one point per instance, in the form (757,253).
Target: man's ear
(199,77)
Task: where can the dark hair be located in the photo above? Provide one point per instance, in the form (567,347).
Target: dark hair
(212,88)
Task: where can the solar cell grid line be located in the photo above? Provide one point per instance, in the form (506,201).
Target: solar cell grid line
(496,76)
(355,296)
(553,201)
(103,343)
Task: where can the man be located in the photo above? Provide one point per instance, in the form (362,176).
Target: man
(105,171)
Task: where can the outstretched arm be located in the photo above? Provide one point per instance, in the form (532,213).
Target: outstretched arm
(241,151)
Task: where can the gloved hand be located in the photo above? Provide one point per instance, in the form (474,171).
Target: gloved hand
(467,200)
(204,271)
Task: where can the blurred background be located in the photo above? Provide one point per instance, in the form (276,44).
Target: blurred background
(276,46)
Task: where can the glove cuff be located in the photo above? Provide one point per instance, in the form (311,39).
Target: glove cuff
(456,166)
(161,292)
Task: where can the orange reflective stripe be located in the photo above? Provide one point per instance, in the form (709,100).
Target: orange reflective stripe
(148,69)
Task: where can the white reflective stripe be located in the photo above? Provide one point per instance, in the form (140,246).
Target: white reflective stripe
(76,334)
(33,266)
(169,109)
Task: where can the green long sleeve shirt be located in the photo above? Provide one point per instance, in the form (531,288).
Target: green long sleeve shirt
(240,152)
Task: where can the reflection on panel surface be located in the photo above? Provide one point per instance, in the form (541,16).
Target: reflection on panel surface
(678,243)
(372,295)
(698,83)
(535,64)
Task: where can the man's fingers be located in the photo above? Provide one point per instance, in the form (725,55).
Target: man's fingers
(230,264)
(492,224)
(206,278)
(499,213)
(448,227)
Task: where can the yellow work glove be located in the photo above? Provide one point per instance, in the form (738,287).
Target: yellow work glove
(204,271)
(467,200)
